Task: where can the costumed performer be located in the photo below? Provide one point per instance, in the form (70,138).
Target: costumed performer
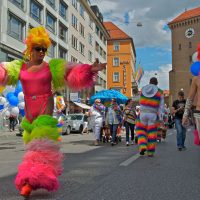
(151,108)
(42,162)
(194,97)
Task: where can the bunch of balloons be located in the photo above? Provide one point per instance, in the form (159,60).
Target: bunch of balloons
(195,67)
(12,101)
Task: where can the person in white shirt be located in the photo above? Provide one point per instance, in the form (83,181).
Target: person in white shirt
(97,115)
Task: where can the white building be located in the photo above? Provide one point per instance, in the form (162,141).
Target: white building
(72,26)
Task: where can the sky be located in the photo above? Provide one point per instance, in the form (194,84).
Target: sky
(153,39)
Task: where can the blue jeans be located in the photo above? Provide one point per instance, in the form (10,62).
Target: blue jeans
(181,133)
(113,131)
(129,126)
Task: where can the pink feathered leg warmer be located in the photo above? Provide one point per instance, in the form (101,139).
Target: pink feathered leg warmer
(41,165)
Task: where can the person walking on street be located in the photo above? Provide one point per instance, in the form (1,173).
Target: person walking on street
(129,120)
(42,162)
(97,116)
(12,122)
(178,107)
(114,118)
(151,109)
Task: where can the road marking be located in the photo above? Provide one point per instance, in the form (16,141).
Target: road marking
(130,160)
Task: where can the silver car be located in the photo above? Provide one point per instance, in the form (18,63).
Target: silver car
(77,122)
(66,128)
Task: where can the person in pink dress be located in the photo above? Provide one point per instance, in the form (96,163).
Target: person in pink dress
(42,162)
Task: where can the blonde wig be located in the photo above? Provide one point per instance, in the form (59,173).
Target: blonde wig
(36,36)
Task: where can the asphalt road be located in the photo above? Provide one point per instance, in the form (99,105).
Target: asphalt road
(110,173)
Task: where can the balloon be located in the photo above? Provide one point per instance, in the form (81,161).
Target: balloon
(7,90)
(18,88)
(21,105)
(21,111)
(9,95)
(2,100)
(13,100)
(14,111)
(1,107)
(195,68)
(21,96)
(194,57)
(1,89)
(7,113)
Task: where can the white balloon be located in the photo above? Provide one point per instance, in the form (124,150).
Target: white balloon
(7,113)
(21,105)
(7,90)
(194,57)
(2,100)
(21,96)
(14,111)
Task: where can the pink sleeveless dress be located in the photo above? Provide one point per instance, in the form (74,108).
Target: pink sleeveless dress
(37,90)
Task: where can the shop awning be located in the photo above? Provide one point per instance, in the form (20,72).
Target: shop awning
(82,105)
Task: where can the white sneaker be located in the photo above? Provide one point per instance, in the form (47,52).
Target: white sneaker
(127,143)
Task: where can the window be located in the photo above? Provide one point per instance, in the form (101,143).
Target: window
(97,30)
(63,10)
(62,53)
(82,10)
(90,38)
(116,77)
(52,50)
(18,3)
(91,23)
(115,61)
(75,4)
(90,56)
(35,11)
(73,59)
(179,46)
(101,51)
(51,3)
(51,22)
(190,44)
(104,55)
(97,46)
(74,21)
(62,32)
(16,27)
(116,46)
(81,48)
(82,29)
(74,42)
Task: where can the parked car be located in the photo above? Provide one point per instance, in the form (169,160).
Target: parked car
(66,128)
(77,122)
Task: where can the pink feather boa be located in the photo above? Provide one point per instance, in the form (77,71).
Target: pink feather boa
(79,76)
(41,165)
(3,74)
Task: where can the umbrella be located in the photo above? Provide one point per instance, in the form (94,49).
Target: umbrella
(107,95)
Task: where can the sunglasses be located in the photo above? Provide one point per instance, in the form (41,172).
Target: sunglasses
(41,49)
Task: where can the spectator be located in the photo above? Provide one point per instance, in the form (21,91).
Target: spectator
(129,120)
(97,114)
(12,122)
(177,111)
(114,119)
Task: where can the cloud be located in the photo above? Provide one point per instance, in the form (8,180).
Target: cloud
(162,75)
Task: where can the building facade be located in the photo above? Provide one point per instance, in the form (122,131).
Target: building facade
(71,25)
(121,59)
(185,30)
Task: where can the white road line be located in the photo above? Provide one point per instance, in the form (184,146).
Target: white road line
(130,160)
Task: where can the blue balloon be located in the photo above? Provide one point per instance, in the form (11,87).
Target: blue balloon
(18,88)
(22,112)
(1,107)
(9,95)
(13,100)
(195,68)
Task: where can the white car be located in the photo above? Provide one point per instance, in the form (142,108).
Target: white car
(66,128)
(76,121)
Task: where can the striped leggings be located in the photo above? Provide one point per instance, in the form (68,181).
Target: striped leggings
(146,130)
